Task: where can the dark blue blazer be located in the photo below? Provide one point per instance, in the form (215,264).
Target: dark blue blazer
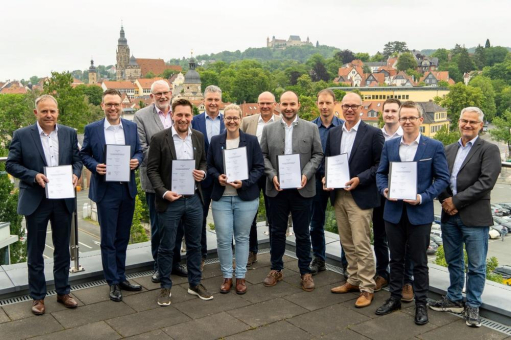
(199,123)
(93,153)
(363,162)
(432,179)
(249,189)
(26,159)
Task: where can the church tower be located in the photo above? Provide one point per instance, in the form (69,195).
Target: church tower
(123,55)
(93,76)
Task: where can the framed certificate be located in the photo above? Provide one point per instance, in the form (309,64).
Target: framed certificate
(60,183)
(290,171)
(183,182)
(337,171)
(403,180)
(117,163)
(236,164)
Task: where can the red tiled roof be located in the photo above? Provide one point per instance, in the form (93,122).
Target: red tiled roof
(155,66)
(119,84)
(13,90)
(146,83)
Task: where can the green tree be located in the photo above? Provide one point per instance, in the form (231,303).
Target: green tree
(318,70)
(345,56)
(480,57)
(414,73)
(94,93)
(208,77)
(447,137)
(308,108)
(248,84)
(378,57)
(502,129)
(499,71)
(465,63)
(406,61)
(503,100)
(488,104)
(149,75)
(442,54)
(138,233)
(362,56)
(394,47)
(16,111)
(459,97)
(167,73)
(34,80)
(487,44)
(495,55)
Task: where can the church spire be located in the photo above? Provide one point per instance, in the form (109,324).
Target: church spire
(122,39)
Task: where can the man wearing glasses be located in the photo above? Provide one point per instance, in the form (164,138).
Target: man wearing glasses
(474,165)
(151,120)
(408,222)
(354,204)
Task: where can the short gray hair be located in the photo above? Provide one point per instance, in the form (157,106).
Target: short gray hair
(45,97)
(212,89)
(159,82)
(233,107)
(479,112)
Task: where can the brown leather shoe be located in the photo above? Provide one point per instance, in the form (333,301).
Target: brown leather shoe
(407,293)
(364,299)
(38,307)
(380,283)
(226,286)
(345,288)
(252,258)
(241,287)
(307,283)
(273,277)
(67,300)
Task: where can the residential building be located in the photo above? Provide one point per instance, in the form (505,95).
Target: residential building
(144,86)
(122,86)
(294,40)
(435,117)
(416,94)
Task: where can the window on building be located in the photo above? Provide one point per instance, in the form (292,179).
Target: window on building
(422,129)
(407,97)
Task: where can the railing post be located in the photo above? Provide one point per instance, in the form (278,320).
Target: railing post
(73,244)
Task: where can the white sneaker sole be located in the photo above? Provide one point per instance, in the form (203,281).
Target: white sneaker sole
(191,292)
(475,325)
(457,310)
(165,304)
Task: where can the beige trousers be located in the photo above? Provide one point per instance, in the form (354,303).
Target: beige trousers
(354,226)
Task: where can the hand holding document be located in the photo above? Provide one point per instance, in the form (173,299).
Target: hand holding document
(60,182)
(118,163)
(236,164)
(403,180)
(183,182)
(290,171)
(337,171)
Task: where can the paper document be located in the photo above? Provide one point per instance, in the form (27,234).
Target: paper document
(290,171)
(183,182)
(236,164)
(60,183)
(118,163)
(337,171)
(403,180)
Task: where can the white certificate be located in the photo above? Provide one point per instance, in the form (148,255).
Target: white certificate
(183,182)
(290,171)
(337,171)
(235,164)
(403,180)
(60,183)
(118,163)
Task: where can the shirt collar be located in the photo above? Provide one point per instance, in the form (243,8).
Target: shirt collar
(293,124)
(41,130)
(399,132)
(416,141)
(335,122)
(272,119)
(471,142)
(219,117)
(107,124)
(355,128)
(160,112)
(174,132)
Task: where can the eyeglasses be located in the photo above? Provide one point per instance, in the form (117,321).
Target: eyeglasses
(265,104)
(410,119)
(353,107)
(159,94)
(234,119)
(471,122)
(110,105)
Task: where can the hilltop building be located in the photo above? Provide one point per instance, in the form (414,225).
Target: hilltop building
(294,40)
(93,75)
(190,89)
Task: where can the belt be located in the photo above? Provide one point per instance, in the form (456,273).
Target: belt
(190,196)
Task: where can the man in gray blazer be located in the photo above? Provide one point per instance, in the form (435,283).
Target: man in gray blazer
(254,125)
(474,166)
(151,120)
(291,135)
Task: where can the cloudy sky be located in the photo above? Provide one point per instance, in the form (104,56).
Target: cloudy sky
(38,37)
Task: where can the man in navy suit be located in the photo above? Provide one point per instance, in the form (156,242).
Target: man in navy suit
(209,123)
(408,222)
(45,144)
(115,200)
(354,204)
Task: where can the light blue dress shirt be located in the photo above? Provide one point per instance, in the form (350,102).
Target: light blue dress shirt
(460,158)
(213,126)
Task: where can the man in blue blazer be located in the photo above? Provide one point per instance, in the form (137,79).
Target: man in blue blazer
(210,123)
(32,148)
(354,204)
(409,221)
(115,200)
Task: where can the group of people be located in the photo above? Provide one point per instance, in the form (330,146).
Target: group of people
(166,131)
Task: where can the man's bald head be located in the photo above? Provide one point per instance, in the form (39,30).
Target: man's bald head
(352,96)
(287,94)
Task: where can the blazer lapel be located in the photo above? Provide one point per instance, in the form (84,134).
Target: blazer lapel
(63,143)
(222,125)
(336,143)
(296,140)
(243,139)
(420,149)
(472,151)
(172,147)
(451,156)
(157,119)
(37,142)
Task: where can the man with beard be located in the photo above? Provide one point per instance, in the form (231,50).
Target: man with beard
(151,120)
(254,125)
(178,143)
(115,200)
(289,136)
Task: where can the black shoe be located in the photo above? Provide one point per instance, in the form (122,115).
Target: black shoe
(317,265)
(126,285)
(421,314)
(446,305)
(115,293)
(389,306)
(156,277)
(472,318)
(180,271)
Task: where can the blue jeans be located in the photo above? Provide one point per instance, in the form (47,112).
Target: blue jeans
(189,210)
(454,235)
(232,215)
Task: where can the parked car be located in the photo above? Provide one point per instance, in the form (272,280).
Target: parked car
(436,232)
(500,209)
(437,239)
(432,248)
(505,271)
(493,234)
(500,229)
(437,219)
(505,205)
(496,210)
(505,222)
